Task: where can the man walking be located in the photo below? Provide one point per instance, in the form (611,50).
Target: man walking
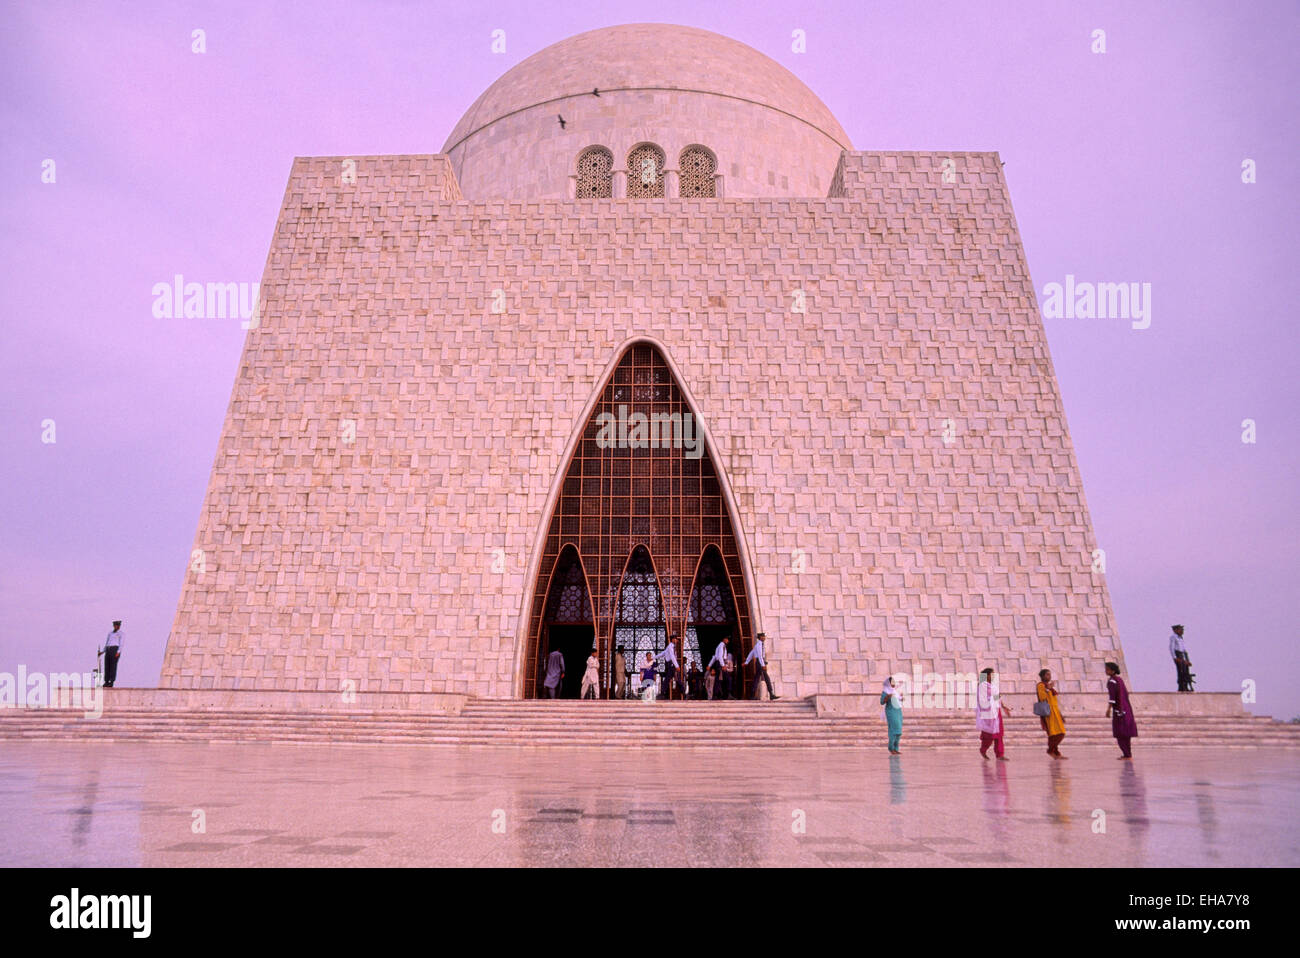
(726,665)
(672,671)
(758,654)
(1178,652)
(554,673)
(112,652)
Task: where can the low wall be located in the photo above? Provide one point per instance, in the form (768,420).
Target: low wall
(250,700)
(1074,703)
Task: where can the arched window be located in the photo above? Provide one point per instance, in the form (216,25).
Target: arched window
(697,168)
(711,614)
(645,171)
(568,603)
(595,174)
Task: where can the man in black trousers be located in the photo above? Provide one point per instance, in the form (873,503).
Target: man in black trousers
(1183,664)
(722,686)
(759,654)
(112,652)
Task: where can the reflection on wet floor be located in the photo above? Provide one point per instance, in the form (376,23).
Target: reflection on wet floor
(181,804)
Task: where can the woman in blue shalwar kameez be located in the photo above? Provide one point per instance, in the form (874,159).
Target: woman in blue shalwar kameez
(893,714)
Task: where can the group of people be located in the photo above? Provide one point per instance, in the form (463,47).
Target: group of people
(990,710)
(719,679)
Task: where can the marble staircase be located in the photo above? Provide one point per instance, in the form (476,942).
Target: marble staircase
(605,724)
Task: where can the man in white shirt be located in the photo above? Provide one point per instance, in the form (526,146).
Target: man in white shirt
(1178,652)
(726,666)
(758,654)
(112,652)
(672,671)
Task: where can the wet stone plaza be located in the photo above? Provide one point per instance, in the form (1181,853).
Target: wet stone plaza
(71,804)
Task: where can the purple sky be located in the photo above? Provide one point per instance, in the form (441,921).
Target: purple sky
(1123,167)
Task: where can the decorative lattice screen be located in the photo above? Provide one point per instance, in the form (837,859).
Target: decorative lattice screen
(645,171)
(697,169)
(595,174)
(641,519)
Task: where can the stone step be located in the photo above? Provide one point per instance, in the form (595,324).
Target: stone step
(637,716)
(527,732)
(821,741)
(515,726)
(612,724)
(668,742)
(606,731)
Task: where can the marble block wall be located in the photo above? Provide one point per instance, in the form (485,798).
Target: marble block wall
(872,367)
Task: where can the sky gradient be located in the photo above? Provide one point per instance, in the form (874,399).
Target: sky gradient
(1123,167)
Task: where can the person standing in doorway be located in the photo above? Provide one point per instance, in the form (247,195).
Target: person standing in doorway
(554,673)
(989,709)
(893,714)
(1120,712)
(591,678)
(620,673)
(672,671)
(1048,711)
(1182,664)
(759,654)
(726,666)
(112,652)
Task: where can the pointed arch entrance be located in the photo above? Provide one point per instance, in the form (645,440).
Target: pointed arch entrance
(568,624)
(712,617)
(641,478)
(639,622)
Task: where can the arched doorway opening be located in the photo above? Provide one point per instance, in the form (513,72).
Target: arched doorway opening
(640,488)
(568,623)
(639,624)
(712,618)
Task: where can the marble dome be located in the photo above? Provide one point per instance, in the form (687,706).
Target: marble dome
(671,86)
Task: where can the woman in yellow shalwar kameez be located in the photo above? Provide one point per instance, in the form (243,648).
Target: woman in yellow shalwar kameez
(1053,723)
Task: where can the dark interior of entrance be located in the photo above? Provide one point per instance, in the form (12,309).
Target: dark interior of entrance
(576,643)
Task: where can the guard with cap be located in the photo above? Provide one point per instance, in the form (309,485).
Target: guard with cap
(759,654)
(112,652)
(1178,651)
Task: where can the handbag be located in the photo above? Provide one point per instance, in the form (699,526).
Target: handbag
(1043,708)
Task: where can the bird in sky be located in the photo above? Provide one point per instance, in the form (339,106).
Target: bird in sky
(561,121)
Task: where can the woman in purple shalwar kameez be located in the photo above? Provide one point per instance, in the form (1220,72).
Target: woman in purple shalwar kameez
(1122,724)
